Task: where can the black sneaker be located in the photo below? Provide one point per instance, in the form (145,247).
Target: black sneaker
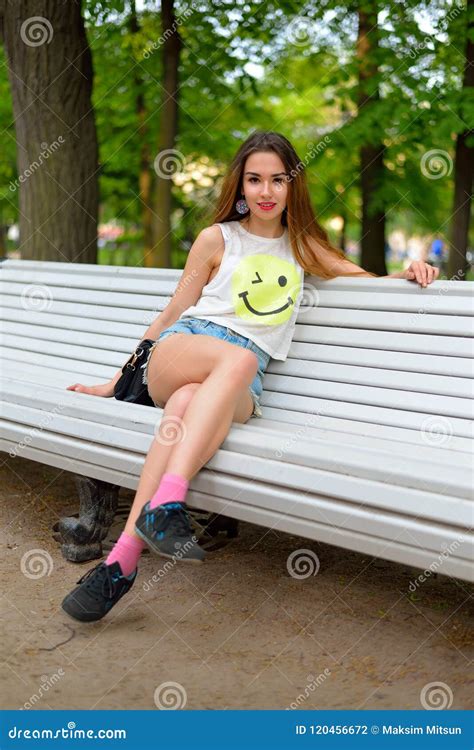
(100,588)
(167,532)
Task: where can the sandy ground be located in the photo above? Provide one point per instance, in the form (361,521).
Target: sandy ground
(237,632)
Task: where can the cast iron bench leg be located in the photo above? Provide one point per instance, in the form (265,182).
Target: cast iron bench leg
(81,538)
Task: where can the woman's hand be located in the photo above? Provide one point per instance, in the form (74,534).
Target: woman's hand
(421,272)
(106,389)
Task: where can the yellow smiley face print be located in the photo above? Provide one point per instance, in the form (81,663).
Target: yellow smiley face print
(265,289)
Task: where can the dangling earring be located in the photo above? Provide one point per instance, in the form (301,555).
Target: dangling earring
(241,206)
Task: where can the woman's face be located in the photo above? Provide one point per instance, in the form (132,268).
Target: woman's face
(265,184)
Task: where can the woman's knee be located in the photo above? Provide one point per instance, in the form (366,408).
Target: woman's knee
(244,367)
(178,402)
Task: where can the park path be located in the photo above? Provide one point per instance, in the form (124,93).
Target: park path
(237,632)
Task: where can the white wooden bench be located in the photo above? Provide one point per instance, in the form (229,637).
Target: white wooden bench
(365,440)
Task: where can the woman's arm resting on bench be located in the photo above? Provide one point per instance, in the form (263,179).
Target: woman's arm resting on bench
(419,271)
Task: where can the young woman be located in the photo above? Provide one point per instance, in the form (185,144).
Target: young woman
(234,308)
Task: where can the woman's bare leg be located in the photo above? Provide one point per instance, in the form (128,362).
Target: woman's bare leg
(225,372)
(160,451)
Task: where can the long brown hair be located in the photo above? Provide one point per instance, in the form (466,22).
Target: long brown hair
(298,216)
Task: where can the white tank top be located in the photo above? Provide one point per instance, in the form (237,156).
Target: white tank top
(256,291)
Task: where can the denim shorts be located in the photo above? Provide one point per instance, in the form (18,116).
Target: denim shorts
(209,328)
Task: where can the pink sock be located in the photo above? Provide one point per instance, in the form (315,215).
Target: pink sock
(172,489)
(126,551)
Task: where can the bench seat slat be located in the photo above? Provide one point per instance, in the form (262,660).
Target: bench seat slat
(373,396)
(365,413)
(32,363)
(49,382)
(356,492)
(47,400)
(293,404)
(286,384)
(386,462)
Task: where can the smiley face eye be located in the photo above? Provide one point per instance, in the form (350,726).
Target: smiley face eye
(282,280)
(259,280)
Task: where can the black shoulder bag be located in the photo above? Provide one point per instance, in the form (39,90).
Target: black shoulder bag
(130,386)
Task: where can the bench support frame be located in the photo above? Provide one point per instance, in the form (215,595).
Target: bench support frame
(81,538)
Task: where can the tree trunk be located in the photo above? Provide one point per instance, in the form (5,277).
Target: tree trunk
(463,174)
(371,155)
(3,240)
(167,161)
(50,69)
(144,177)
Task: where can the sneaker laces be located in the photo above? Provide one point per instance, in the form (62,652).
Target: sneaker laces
(99,585)
(177,519)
